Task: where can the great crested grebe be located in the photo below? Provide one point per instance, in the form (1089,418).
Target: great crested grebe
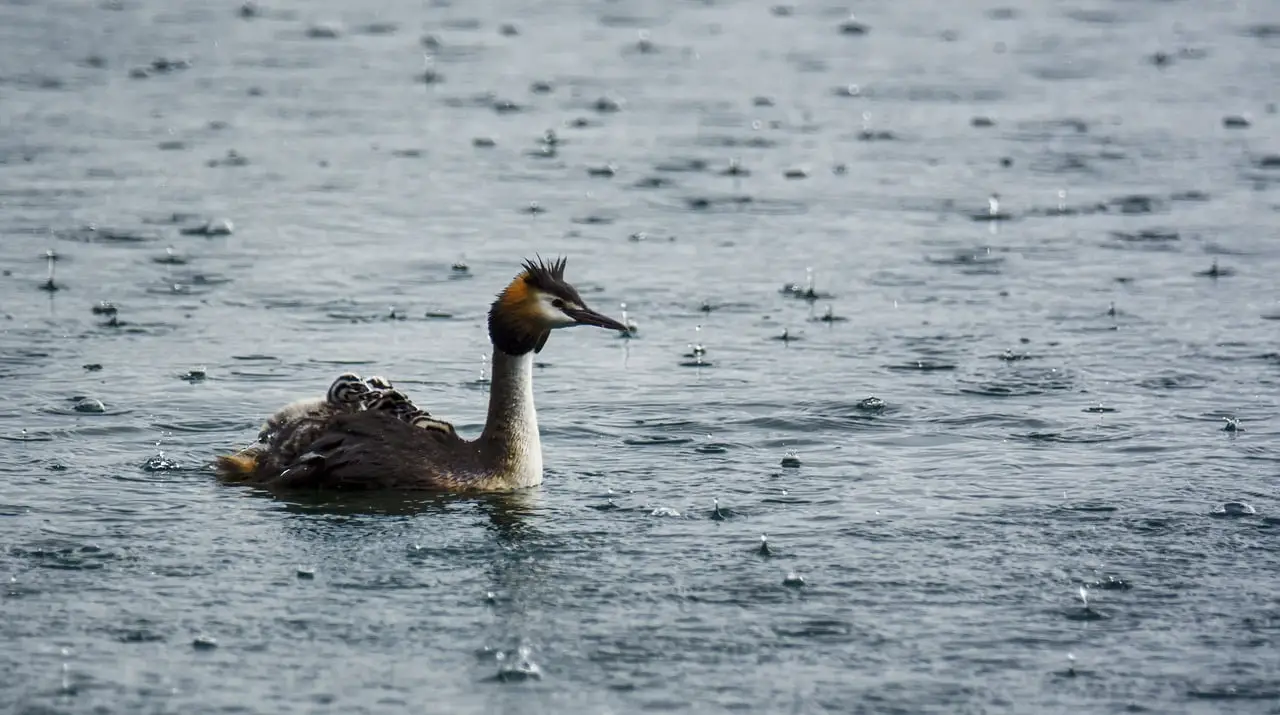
(365,434)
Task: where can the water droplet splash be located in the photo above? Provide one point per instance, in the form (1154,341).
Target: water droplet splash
(89,405)
(51,257)
(1234,509)
(160,463)
(696,350)
(65,685)
(203,642)
(632,326)
(829,316)
(518,668)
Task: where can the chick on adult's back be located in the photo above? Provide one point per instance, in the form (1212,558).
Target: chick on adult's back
(382,441)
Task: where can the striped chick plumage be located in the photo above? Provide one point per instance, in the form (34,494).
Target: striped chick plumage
(287,434)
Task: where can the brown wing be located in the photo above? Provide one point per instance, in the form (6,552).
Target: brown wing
(375,450)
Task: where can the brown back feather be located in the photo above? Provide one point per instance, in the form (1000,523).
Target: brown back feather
(370,450)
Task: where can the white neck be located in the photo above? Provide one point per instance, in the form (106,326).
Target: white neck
(510,440)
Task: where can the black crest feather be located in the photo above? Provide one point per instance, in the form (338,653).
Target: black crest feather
(549,277)
(545,275)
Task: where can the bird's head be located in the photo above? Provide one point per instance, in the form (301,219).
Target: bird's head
(393,401)
(536,302)
(347,391)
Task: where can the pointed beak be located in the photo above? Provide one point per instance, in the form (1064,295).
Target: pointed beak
(587,316)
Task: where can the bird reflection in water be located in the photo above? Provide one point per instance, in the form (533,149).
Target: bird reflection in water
(509,513)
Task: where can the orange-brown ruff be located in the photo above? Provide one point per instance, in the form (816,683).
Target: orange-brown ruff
(315,445)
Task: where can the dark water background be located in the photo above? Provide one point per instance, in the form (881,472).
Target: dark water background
(1055,386)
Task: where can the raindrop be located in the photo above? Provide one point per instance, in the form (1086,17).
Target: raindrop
(696,350)
(632,326)
(830,316)
(51,257)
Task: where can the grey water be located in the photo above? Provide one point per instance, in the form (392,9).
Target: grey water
(1030,445)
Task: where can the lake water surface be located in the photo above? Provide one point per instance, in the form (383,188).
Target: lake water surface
(1037,512)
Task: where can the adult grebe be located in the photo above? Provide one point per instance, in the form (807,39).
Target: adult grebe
(368,435)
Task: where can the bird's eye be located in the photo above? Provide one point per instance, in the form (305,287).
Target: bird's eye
(557,304)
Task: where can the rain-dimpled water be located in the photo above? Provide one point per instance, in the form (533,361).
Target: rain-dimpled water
(950,383)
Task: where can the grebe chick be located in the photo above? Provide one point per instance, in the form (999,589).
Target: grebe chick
(346,394)
(396,403)
(424,420)
(393,402)
(374,448)
(377,382)
(297,424)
